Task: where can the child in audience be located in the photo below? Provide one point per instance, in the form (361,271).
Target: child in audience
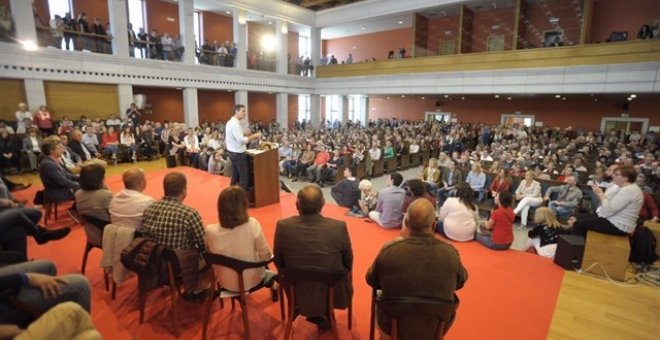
(545,234)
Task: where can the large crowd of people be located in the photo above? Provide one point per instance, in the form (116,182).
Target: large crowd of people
(566,180)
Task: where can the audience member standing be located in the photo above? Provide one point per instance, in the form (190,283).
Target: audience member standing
(44,121)
(21,115)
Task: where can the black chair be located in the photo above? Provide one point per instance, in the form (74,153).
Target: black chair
(100,224)
(289,277)
(400,307)
(174,284)
(239,267)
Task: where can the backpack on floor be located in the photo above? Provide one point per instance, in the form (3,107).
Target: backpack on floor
(642,246)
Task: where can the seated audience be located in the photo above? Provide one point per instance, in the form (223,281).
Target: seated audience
(66,320)
(305,161)
(459,216)
(127,206)
(528,195)
(497,232)
(543,237)
(367,202)
(311,240)
(431,175)
(501,183)
(239,236)
(451,176)
(110,142)
(59,183)
(217,164)
(388,212)
(477,181)
(398,272)
(417,189)
(92,200)
(127,139)
(36,285)
(32,147)
(568,197)
(329,172)
(169,222)
(649,210)
(8,151)
(315,171)
(619,206)
(346,192)
(86,155)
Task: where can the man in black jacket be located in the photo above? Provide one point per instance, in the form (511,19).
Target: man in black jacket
(346,192)
(79,148)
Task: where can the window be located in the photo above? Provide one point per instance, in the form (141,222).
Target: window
(61,8)
(510,120)
(304,105)
(304,46)
(137,17)
(356,107)
(197,18)
(333,109)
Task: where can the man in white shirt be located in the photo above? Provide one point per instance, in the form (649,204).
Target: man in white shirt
(236,141)
(127,206)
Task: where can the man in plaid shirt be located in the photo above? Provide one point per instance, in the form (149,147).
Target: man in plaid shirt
(170,223)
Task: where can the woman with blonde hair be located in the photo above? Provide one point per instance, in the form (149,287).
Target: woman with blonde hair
(528,196)
(431,175)
(545,234)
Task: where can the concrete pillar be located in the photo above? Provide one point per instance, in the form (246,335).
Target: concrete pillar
(281,36)
(315,45)
(282,104)
(240,38)
(119,27)
(364,116)
(241,97)
(344,109)
(125,94)
(35,93)
(190,108)
(23,15)
(315,109)
(187,31)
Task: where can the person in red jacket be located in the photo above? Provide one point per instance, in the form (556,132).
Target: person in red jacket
(44,121)
(501,183)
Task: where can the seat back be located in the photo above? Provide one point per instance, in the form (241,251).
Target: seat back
(93,229)
(289,276)
(239,266)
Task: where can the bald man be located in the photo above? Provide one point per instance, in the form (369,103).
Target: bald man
(313,241)
(127,206)
(76,145)
(398,271)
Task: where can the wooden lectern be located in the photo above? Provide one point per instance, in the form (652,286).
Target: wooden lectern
(264,177)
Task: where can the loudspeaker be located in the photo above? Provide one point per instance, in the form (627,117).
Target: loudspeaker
(570,249)
(170,160)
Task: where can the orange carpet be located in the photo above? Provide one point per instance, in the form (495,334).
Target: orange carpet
(508,295)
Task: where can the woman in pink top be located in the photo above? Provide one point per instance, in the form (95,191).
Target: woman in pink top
(497,232)
(238,236)
(44,121)
(458,216)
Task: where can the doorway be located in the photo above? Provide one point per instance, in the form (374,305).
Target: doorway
(608,124)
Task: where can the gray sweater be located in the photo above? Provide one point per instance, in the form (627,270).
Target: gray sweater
(621,206)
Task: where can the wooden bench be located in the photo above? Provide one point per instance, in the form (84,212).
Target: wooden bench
(415,159)
(378,168)
(610,252)
(404,162)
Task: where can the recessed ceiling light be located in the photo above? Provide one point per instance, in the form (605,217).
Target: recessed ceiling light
(354,47)
(270,22)
(497,96)
(388,97)
(178,88)
(629,99)
(557,96)
(228,12)
(508,98)
(462,98)
(633,96)
(403,96)
(563,98)
(423,98)
(446,96)
(400,22)
(363,28)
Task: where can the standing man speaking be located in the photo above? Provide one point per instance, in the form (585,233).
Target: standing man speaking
(236,141)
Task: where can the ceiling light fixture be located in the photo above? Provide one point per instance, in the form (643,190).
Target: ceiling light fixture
(563,98)
(497,96)
(29,45)
(462,98)
(403,96)
(557,96)
(363,28)
(446,96)
(633,96)
(423,98)
(388,97)
(508,98)
(400,22)
(270,22)
(228,12)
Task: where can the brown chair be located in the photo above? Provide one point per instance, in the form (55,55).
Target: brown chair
(239,267)
(289,277)
(415,159)
(400,307)
(90,244)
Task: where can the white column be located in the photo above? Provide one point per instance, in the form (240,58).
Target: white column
(187,30)
(190,108)
(364,115)
(241,97)
(315,45)
(119,27)
(315,109)
(35,93)
(344,109)
(281,34)
(240,38)
(282,105)
(21,11)
(125,95)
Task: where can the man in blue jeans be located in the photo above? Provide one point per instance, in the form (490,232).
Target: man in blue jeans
(35,285)
(236,141)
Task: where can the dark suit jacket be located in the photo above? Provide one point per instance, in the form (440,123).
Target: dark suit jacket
(77,148)
(320,242)
(457,176)
(59,183)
